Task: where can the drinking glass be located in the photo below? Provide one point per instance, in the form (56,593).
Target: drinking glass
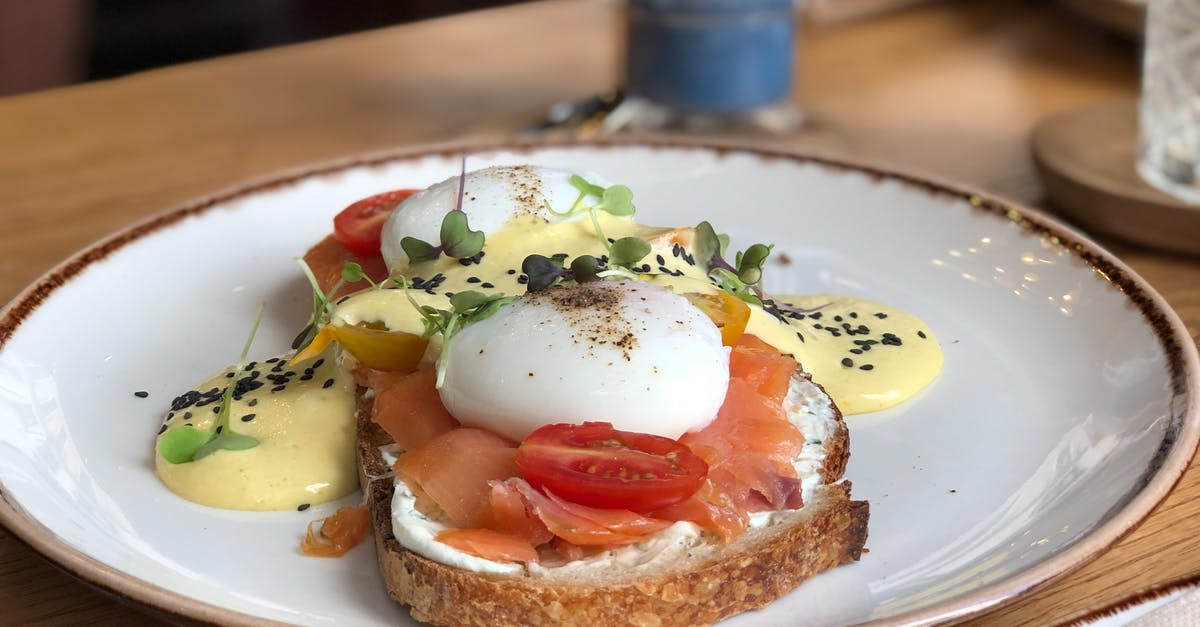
(1169,115)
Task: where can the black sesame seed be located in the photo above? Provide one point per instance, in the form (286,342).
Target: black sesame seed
(187,414)
(253,402)
(302,507)
(486,285)
(473,279)
(816,315)
(847,362)
(162,429)
(837,318)
(272,360)
(228,375)
(216,409)
(817,326)
(854,314)
(522,279)
(511,271)
(306,377)
(921,334)
(880,315)
(308,371)
(279,388)
(856,351)
(342,300)
(318,363)
(141,394)
(219,428)
(660,260)
(866,367)
(248,417)
(328,382)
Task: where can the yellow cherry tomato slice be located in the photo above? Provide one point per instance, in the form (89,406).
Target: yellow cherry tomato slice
(372,345)
(727,311)
(382,349)
(317,346)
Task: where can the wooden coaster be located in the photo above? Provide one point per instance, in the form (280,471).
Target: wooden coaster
(1086,160)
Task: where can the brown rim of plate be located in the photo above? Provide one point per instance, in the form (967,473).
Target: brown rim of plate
(1178,444)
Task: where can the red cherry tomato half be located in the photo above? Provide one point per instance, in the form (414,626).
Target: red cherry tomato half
(358,227)
(595,465)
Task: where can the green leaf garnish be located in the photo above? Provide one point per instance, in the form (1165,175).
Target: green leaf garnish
(179,445)
(585,268)
(615,200)
(542,272)
(353,273)
(706,244)
(585,188)
(458,240)
(419,251)
(730,282)
(627,251)
(743,277)
(750,263)
(188,444)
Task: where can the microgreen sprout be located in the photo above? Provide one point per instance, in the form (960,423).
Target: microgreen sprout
(465,308)
(457,239)
(623,254)
(616,200)
(353,273)
(322,305)
(743,277)
(188,444)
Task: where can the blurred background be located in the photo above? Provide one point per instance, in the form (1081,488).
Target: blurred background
(49,43)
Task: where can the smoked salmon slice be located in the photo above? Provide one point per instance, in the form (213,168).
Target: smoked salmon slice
(749,448)
(453,471)
(586,526)
(510,514)
(489,544)
(408,408)
(327,259)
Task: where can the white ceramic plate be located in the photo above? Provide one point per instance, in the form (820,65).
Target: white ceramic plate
(1067,409)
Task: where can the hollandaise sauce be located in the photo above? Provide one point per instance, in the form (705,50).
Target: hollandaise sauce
(867,355)
(303,419)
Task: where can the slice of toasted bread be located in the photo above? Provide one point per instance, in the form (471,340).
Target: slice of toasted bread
(710,582)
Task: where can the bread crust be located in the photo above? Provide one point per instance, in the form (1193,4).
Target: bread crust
(707,586)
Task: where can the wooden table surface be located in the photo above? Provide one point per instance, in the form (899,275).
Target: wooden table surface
(950,88)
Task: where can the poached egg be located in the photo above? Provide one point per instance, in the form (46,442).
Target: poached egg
(491,197)
(629,353)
